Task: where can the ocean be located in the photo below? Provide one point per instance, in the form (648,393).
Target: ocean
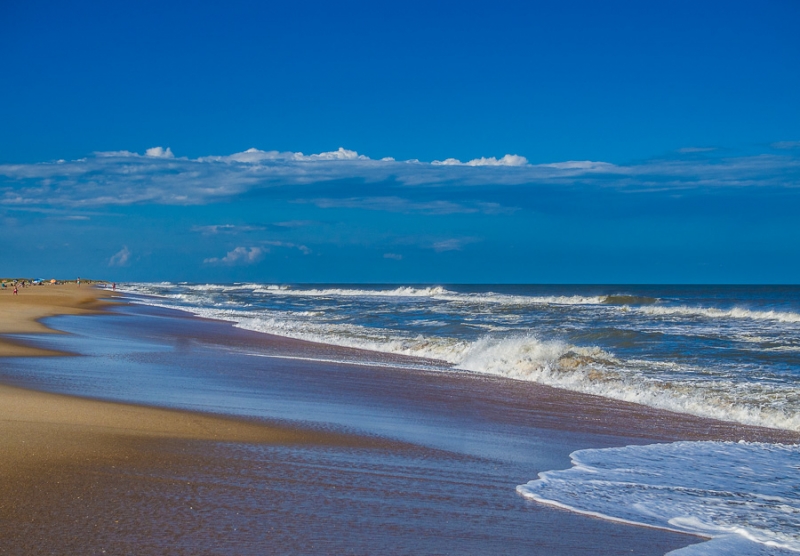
(725,352)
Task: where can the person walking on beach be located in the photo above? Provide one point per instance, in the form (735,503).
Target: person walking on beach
(79,281)
(15,289)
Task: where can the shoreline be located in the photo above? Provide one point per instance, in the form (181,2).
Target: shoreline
(56,449)
(598,414)
(91,442)
(702,355)
(22,313)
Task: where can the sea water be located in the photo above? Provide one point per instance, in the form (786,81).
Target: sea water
(745,496)
(726,352)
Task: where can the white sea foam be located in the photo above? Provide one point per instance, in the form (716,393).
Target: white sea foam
(433,292)
(437,293)
(521,356)
(354,336)
(588,370)
(713,313)
(443,294)
(742,495)
(731,544)
(404,291)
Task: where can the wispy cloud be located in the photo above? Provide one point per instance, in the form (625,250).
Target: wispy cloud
(786,145)
(453,244)
(302,248)
(393,256)
(159,177)
(234,229)
(398,204)
(239,256)
(290,224)
(688,150)
(214,229)
(121,257)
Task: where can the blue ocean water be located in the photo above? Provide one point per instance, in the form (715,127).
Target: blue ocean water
(726,352)
(731,353)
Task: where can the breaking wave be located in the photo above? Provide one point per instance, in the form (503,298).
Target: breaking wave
(591,370)
(622,299)
(713,313)
(742,495)
(495,349)
(436,293)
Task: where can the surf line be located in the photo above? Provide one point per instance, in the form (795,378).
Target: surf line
(356,363)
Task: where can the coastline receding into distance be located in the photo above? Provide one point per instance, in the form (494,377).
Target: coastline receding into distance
(712,351)
(21,314)
(505,278)
(327,422)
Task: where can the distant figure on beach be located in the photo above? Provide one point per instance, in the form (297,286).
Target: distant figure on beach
(113,286)
(15,290)
(79,281)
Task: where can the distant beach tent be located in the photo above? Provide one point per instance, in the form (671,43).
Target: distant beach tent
(53,281)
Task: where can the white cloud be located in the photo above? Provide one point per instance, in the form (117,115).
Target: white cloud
(159,152)
(399,204)
(507,160)
(250,156)
(121,257)
(448,162)
(697,149)
(340,154)
(302,248)
(215,229)
(239,256)
(254,156)
(393,256)
(584,165)
(124,178)
(109,154)
(454,244)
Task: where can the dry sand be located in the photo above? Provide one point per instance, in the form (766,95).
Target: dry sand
(62,458)
(21,313)
(38,425)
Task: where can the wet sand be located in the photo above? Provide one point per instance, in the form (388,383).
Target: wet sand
(65,459)
(22,313)
(331,458)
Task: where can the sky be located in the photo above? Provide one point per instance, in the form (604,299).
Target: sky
(401,142)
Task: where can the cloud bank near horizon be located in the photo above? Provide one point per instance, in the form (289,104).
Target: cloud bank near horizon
(159,177)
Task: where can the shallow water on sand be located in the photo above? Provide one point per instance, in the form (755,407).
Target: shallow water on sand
(452,491)
(725,352)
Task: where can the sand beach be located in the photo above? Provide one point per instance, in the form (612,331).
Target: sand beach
(131,429)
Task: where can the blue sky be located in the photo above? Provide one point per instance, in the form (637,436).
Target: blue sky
(617,142)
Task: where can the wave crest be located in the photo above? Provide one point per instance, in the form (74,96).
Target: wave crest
(743,492)
(710,312)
